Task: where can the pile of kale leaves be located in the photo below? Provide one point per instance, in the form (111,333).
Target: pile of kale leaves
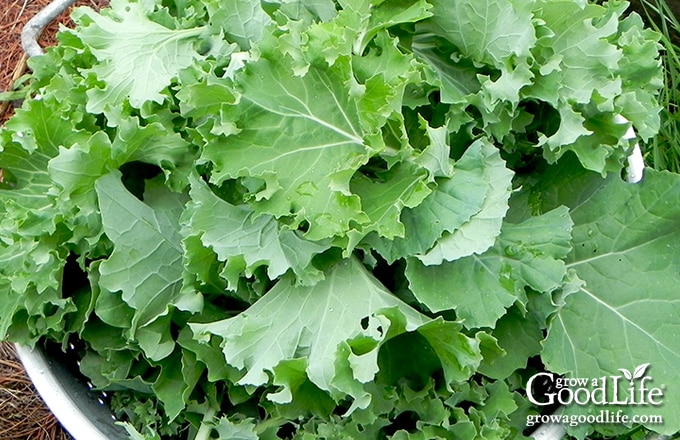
(342,219)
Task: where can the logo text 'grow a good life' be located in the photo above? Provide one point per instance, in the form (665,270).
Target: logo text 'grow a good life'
(630,388)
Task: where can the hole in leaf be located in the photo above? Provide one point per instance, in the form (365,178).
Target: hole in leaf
(304,226)
(364,323)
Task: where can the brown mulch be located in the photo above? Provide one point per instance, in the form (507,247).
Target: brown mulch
(23,415)
(12,19)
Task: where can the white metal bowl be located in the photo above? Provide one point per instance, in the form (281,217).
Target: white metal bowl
(79,410)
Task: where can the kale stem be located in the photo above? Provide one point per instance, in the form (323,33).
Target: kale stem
(206,425)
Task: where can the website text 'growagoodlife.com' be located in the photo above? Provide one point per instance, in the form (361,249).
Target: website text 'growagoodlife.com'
(604,417)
